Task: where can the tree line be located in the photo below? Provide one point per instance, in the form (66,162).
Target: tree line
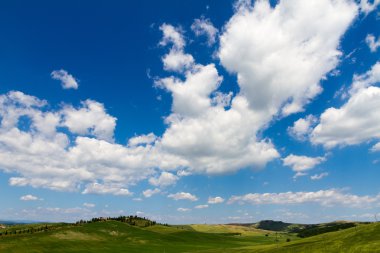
(132,220)
(29,230)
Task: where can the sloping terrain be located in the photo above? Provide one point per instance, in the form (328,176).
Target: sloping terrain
(302,230)
(115,236)
(364,238)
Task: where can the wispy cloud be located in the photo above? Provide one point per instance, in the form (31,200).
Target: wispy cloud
(67,80)
(29,197)
(183,196)
(324,197)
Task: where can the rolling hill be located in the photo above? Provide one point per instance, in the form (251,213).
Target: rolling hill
(362,238)
(116,236)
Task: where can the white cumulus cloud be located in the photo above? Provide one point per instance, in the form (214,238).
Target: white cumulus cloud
(176,60)
(319,176)
(365,80)
(207,131)
(172,35)
(302,127)
(376,147)
(70,148)
(183,196)
(215,200)
(372,43)
(302,163)
(67,80)
(358,120)
(91,118)
(88,205)
(165,179)
(96,188)
(201,206)
(329,197)
(29,197)
(368,6)
(209,138)
(142,139)
(149,192)
(203,26)
(281,53)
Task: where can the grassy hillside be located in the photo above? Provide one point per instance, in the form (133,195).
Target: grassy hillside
(115,236)
(302,230)
(363,238)
(226,229)
(317,229)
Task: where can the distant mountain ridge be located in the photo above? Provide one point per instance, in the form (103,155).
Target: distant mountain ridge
(16,222)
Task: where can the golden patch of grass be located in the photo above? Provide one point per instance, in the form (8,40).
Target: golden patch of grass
(76,236)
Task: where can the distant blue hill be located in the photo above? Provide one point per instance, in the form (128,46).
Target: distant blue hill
(16,222)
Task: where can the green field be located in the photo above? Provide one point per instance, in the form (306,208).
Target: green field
(114,236)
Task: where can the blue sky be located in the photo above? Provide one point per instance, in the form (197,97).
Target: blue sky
(191,111)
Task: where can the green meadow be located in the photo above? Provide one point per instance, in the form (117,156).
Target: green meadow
(115,236)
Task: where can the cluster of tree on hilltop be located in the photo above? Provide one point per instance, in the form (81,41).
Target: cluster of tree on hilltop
(29,230)
(132,220)
(274,225)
